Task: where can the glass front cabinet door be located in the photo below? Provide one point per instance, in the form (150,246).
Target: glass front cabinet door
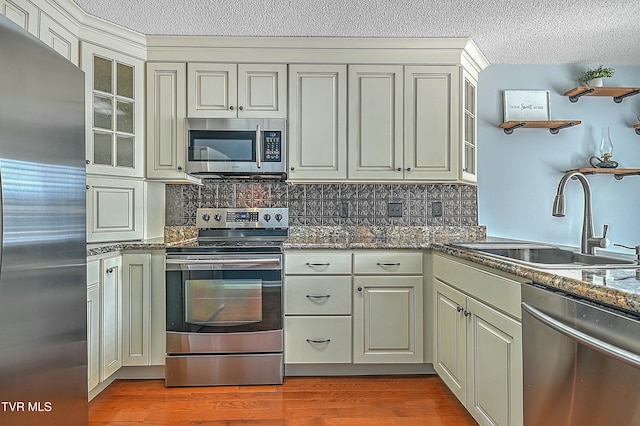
(115,112)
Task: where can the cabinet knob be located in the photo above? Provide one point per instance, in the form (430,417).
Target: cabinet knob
(459,309)
(467,313)
(88,187)
(110,271)
(88,161)
(399,169)
(241,108)
(231,107)
(408,169)
(179,168)
(293,168)
(359,288)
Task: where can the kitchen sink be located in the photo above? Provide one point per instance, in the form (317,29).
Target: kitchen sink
(545,256)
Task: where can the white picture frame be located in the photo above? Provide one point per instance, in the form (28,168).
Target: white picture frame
(526,105)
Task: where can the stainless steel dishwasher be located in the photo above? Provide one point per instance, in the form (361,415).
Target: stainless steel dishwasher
(581,361)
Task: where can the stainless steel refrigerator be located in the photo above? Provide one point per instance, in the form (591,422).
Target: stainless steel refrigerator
(43,294)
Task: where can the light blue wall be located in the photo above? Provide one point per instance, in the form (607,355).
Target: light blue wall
(518,174)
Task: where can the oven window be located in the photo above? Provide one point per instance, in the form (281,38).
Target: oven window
(223,302)
(222,146)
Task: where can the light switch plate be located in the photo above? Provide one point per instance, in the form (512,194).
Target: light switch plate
(395,209)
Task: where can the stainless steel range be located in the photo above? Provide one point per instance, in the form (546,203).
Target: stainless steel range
(224,300)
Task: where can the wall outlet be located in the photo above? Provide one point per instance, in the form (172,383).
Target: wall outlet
(344,209)
(395,209)
(436,209)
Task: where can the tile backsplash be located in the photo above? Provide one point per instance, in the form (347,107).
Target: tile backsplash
(330,204)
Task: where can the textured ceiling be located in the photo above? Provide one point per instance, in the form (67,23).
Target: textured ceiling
(506,31)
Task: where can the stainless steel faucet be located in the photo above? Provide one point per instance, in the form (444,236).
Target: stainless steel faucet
(588,242)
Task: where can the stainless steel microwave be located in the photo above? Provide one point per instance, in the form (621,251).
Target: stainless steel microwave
(236,147)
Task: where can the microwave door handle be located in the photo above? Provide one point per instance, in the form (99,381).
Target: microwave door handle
(258,147)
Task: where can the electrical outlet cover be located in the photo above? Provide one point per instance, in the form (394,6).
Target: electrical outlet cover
(395,209)
(436,209)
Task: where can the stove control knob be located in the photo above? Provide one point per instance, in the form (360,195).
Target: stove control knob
(278,217)
(217,217)
(206,217)
(266,217)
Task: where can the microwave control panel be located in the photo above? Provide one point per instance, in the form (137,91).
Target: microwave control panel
(272,146)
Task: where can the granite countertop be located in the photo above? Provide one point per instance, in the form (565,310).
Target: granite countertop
(619,287)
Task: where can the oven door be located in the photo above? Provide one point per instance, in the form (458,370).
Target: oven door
(224,293)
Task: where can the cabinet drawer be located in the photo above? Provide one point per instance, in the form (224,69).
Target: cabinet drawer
(384,262)
(317,340)
(318,263)
(317,296)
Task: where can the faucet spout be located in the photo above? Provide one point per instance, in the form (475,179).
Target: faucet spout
(559,207)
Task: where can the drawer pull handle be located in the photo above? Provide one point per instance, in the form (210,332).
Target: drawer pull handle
(317,264)
(311,296)
(318,342)
(387,264)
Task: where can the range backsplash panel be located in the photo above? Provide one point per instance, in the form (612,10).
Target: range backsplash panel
(324,204)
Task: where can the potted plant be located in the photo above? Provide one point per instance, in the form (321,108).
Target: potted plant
(593,77)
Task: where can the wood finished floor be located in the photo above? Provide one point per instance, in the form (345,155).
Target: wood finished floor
(381,400)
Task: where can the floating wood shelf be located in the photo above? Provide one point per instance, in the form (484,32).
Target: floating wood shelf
(617,93)
(617,173)
(554,126)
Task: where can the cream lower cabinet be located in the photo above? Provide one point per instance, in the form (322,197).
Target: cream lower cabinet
(353,307)
(143,320)
(317,138)
(93,323)
(110,316)
(387,307)
(478,343)
(317,308)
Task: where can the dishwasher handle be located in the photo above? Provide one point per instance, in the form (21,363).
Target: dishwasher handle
(606,348)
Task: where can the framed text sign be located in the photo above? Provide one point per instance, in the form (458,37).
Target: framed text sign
(526,105)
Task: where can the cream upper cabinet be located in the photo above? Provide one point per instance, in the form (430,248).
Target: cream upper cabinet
(115,112)
(23,13)
(317,138)
(59,38)
(166,113)
(375,122)
(114,209)
(469,151)
(224,90)
(431,122)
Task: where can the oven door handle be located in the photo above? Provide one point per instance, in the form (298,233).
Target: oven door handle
(242,262)
(258,147)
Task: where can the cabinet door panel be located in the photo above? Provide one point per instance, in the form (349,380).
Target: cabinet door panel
(262,91)
(387,314)
(22,13)
(111,315)
(495,346)
(450,338)
(212,90)
(431,133)
(166,112)
(114,209)
(59,38)
(318,122)
(93,323)
(136,306)
(375,122)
